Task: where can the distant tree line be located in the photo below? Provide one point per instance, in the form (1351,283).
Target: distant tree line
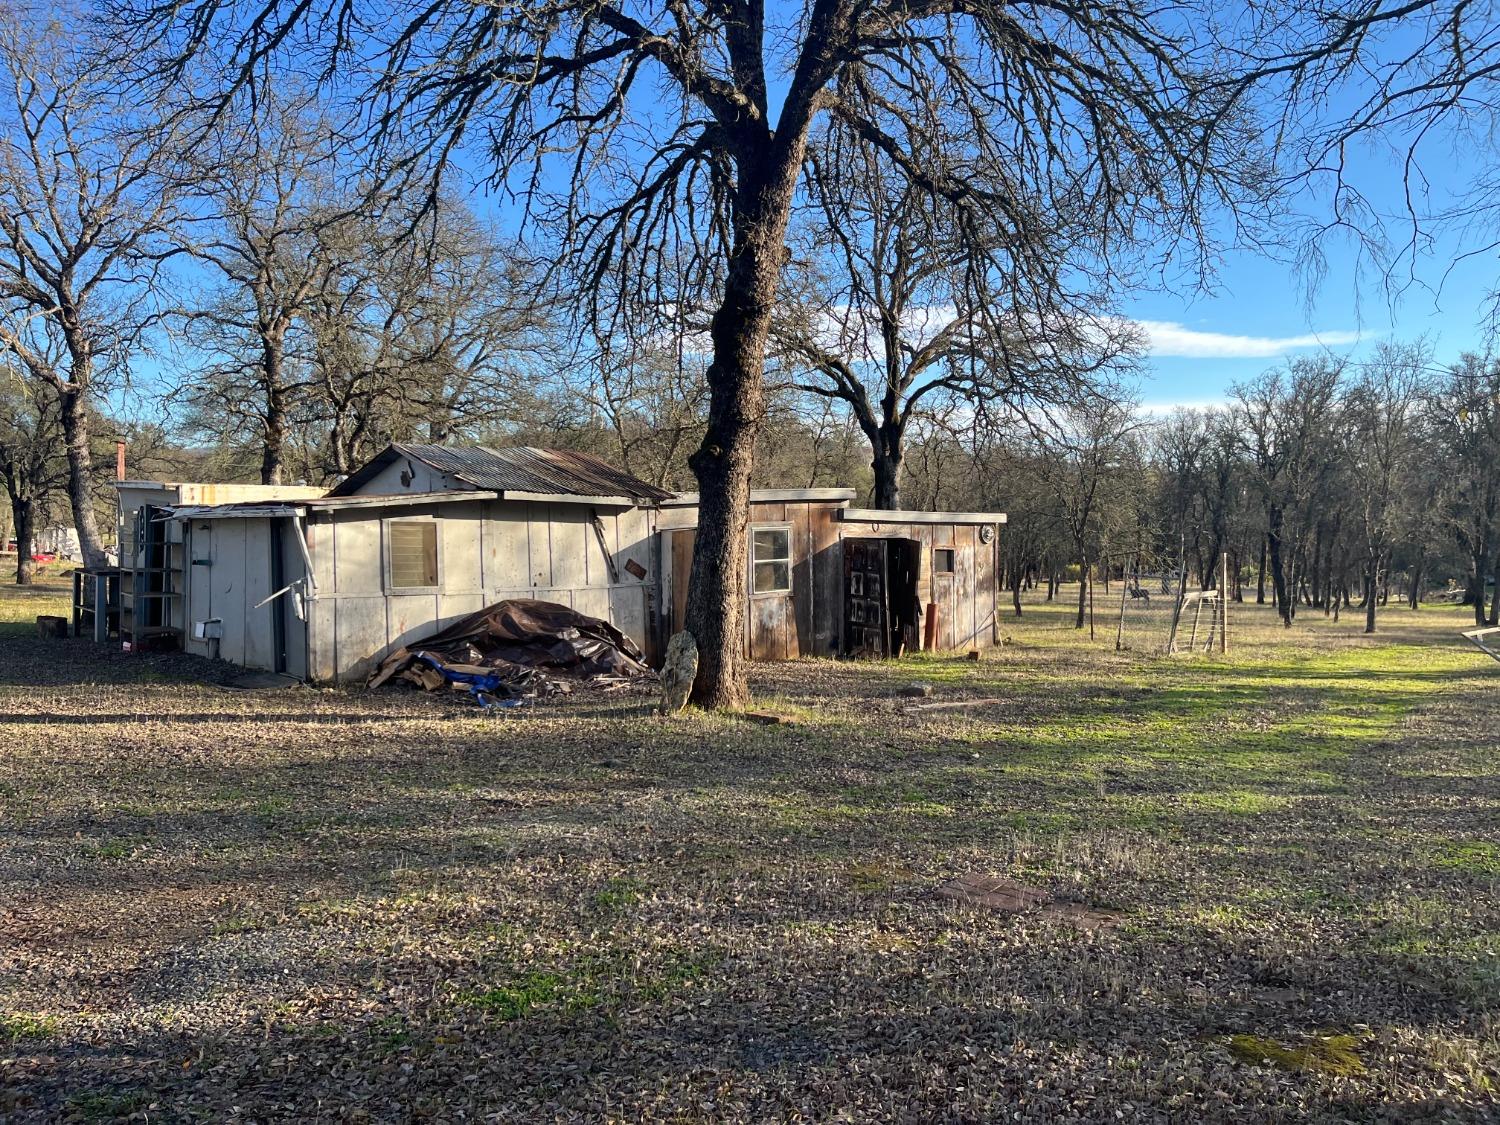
(1330,486)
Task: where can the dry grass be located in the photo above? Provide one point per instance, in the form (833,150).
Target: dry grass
(335,905)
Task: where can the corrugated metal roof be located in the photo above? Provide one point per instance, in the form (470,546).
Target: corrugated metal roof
(520,469)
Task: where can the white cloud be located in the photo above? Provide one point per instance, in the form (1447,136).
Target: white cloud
(1168,338)
(1162,409)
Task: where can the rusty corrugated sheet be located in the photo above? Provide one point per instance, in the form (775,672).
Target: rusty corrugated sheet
(521,469)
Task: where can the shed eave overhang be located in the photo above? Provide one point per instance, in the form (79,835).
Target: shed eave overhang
(774,496)
(876,515)
(238,511)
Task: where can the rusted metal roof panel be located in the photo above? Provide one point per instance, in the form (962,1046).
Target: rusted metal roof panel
(520,469)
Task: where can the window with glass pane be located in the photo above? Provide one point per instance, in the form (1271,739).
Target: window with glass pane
(771,560)
(413,545)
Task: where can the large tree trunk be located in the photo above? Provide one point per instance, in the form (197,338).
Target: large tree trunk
(23,513)
(1372,580)
(1083,586)
(1495,603)
(73,406)
(273,440)
(887,466)
(717,593)
(1275,520)
(1260,574)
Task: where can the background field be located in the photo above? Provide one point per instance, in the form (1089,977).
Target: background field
(339,905)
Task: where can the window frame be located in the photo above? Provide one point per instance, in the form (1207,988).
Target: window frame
(437,554)
(786,529)
(952,559)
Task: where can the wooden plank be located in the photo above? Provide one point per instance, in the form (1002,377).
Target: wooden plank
(964,585)
(505,557)
(632,528)
(360,635)
(986,591)
(767,513)
(358,562)
(594,601)
(628,612)
(411,617)
(804,589)
(461,566)
(827,580)
(682,569)
(768,627)
(257,638)
(570,537)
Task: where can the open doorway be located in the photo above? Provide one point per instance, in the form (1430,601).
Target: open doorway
(882,613)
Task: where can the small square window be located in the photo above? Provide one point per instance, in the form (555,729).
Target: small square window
(413,548)
(771,560)
(942,560)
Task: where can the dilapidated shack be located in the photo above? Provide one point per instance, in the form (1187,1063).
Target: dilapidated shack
(826,579)
(323,587)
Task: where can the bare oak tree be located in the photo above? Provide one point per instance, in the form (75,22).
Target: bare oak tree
(30,463)
(663,142)
(266,181)
(909,303)
(83,206)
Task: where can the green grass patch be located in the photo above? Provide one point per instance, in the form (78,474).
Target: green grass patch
(1473,857)
(16,1026)
(619,893)
(1334,1055)
(109,1105)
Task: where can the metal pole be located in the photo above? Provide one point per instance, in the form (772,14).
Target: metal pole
(1087,577)
(1120,625)
(101,608)
(1224,603)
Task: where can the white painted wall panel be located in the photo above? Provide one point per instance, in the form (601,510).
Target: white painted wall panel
(358,564)
(360,629)
(571,536)
(506,546)
(460,555)
(539,545)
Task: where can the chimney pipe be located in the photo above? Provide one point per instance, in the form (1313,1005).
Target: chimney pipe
(119,460)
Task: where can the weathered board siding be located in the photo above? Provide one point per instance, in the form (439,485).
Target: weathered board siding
(810,622)
(488,550)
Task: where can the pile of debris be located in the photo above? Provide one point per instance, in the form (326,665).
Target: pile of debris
(515,650)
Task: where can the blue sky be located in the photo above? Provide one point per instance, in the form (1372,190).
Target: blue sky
(1262,312)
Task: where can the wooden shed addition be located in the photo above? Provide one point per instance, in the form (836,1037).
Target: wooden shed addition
(825,579)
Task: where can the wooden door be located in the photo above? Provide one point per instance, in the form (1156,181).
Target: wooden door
(866,615)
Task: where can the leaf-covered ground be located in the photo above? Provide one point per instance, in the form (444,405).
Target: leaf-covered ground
(337,905)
